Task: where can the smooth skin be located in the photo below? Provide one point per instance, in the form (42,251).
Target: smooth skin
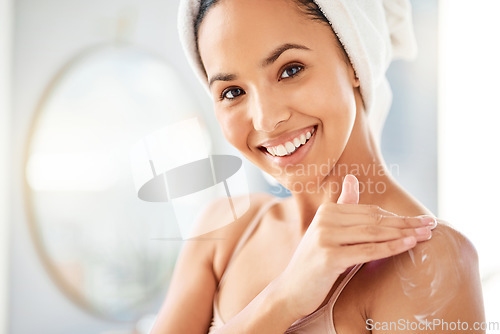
(304,245)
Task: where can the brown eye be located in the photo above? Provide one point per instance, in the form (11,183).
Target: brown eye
(231,93)
(291,71)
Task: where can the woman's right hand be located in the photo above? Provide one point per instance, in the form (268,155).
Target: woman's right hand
(341,235)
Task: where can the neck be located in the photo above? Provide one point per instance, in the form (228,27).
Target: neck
(363,159)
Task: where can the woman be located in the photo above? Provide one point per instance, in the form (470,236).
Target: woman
(336,256)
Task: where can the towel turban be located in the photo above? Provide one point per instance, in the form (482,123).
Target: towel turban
(372,32)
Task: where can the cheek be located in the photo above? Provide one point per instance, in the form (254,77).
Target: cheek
(337,98)
(333,104)
(332,100)
(234,129)
(339,122)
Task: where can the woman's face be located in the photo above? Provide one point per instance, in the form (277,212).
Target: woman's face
(277,77)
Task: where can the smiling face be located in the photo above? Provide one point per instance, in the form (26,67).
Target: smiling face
(283,93)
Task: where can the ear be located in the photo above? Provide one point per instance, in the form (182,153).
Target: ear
(356,81)
(353,76)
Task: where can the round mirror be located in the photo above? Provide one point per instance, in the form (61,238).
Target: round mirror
(108,250)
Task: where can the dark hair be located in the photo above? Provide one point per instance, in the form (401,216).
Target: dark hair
(309,7)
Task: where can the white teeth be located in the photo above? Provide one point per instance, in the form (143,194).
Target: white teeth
(296,142)
(289,147)
(281,150)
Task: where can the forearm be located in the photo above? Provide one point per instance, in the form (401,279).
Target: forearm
(268,313)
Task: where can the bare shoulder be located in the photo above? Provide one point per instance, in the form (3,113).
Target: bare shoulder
(223,217)
(447,254)
(225,229)
(438,278)
(188,306)
(448,249)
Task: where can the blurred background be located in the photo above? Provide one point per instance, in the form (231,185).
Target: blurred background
(81,82)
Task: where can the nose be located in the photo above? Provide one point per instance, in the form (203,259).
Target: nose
(267,111)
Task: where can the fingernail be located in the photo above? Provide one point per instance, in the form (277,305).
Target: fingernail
(422,230)
(429,221)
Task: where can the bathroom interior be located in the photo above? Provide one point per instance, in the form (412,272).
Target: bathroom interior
(82,82)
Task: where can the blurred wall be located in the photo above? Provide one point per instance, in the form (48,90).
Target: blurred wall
(48,33)
(5,113)
(409,140)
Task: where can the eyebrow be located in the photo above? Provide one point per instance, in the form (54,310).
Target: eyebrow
(221,77)
(279,51)
(275,54)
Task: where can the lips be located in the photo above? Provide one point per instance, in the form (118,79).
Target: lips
(290,146)
(287,144)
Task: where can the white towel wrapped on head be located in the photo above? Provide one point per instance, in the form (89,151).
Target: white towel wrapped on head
(373,33)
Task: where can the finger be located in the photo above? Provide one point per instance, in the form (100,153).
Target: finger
(433,221)
(342,219)
(350,190)
(372,233)
(386,213)
(363,253)
(356,208)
